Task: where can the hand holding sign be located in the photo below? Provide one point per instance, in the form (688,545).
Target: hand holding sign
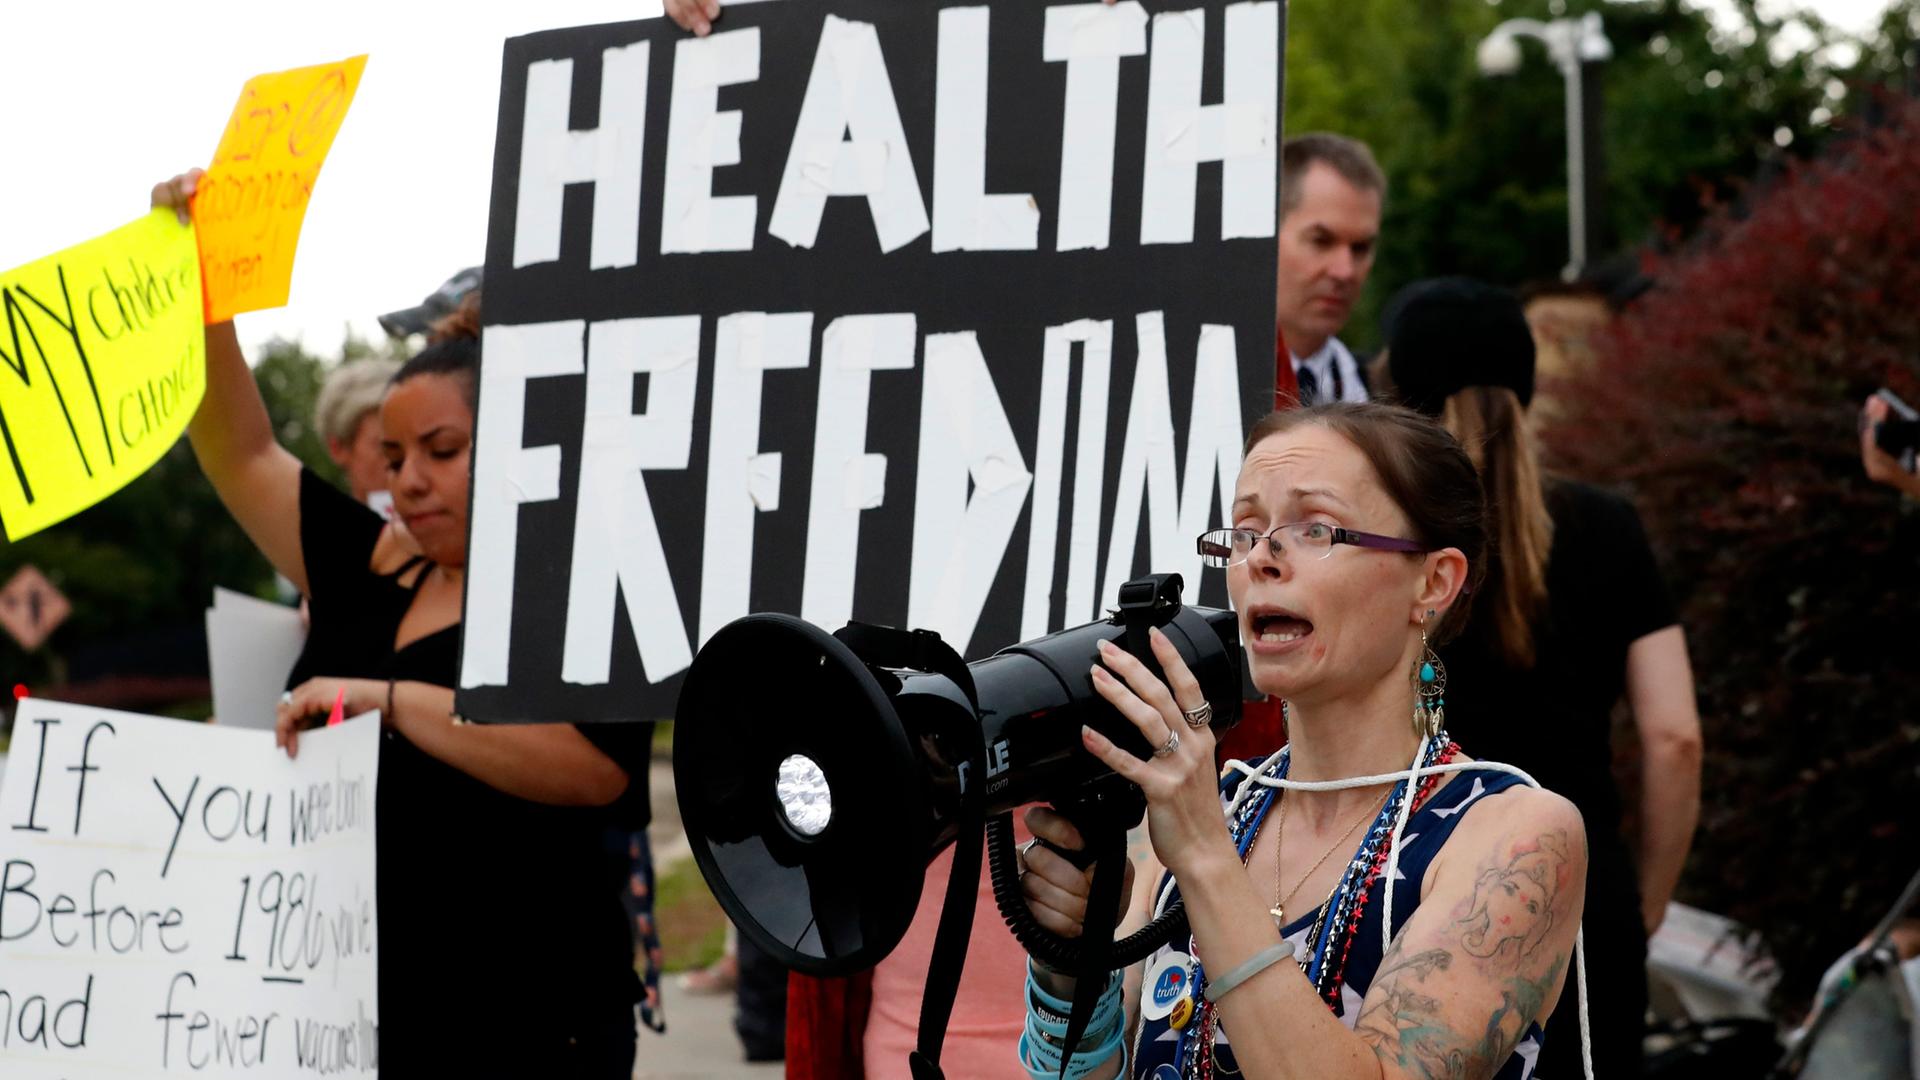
(251,203)
(310,704)
(177,194)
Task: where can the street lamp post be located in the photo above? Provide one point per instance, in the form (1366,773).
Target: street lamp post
(1571,43)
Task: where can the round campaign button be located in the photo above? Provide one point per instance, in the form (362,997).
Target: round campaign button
(1182,1013)
(1166,985)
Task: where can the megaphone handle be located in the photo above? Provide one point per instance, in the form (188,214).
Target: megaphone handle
(1108,848)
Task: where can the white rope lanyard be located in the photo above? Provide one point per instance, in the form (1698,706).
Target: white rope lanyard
(1414,773)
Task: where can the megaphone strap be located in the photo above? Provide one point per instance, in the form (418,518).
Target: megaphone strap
(917,650)
(956,912)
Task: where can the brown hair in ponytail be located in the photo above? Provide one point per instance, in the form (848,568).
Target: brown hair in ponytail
(1490,424)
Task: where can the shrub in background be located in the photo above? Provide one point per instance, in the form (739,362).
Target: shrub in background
(1725,400)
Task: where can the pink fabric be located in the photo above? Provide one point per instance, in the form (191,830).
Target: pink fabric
(987,1014)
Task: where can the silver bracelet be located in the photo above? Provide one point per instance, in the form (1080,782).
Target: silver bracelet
(1261,961)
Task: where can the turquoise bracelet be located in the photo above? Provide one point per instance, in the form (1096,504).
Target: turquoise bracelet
(1040,1051)
(1107,1011)
(1043,1062)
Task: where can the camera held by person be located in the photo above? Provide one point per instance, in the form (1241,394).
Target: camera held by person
(1889,439)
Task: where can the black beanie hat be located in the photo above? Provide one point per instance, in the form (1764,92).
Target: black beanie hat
(1446,334)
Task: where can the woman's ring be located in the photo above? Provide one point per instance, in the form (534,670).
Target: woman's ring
(1200,717)
(1173,743)
(1022,852)
(286,697)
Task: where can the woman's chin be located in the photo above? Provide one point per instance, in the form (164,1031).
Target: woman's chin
(1271,680)
(444,548)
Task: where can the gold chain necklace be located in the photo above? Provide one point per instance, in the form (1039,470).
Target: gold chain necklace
(1279,908)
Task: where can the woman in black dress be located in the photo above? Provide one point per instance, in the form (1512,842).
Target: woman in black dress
(1574,616)
(503,946)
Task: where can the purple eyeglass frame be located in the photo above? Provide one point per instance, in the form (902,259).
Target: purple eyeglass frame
(1354,537)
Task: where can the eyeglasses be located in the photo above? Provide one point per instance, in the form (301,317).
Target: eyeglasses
(1230,547)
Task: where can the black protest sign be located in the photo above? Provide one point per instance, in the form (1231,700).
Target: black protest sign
(950,318)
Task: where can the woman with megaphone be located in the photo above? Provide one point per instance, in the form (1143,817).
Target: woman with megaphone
(1374,903)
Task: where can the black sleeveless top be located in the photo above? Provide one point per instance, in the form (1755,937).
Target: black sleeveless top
(496,914)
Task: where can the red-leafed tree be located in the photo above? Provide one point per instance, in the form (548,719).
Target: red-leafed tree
(1726,400)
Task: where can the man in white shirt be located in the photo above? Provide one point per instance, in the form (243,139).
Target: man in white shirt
(1331,193)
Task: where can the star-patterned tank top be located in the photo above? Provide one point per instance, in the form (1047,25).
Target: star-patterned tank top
(1169,1044)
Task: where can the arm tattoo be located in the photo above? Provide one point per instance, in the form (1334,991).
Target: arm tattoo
(1513,903)
(1500,936)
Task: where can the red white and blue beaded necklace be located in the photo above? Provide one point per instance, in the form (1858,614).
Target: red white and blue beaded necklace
(1330,937)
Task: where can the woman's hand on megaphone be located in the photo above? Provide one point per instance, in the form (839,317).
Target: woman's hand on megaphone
(1056,889)
(1184,818)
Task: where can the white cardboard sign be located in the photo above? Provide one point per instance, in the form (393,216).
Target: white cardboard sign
(179,898)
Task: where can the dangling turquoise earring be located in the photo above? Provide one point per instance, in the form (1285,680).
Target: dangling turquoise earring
(1430,689)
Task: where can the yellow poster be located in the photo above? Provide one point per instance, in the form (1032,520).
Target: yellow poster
(104,363)
(250,204)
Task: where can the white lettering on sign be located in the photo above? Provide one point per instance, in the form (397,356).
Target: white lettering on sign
(553,155)
(699,137)
(849,141)
(616,540)
(1090,39)
(965,218)
(972,481)
(1175,513)
(1240,132)
(846,479)
(505,475)
(741,480)
(946,336)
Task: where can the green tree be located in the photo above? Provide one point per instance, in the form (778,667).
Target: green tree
(148,556)
(1477,164)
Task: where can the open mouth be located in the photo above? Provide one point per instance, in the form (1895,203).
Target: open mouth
(1279,627)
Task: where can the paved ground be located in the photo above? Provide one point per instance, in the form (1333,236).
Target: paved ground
(699,1043)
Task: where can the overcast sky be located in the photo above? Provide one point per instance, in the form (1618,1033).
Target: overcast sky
(104,99)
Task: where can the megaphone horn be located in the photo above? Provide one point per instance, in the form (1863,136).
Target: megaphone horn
(819,774)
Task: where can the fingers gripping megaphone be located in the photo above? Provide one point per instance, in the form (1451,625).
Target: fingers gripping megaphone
(818,774)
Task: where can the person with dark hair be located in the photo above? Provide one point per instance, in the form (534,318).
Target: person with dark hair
(626,838)
(503,946)
(1573,617)
(1331,195)
(1358,534)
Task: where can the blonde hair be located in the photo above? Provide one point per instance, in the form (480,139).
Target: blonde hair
(1490,423)
(353,390)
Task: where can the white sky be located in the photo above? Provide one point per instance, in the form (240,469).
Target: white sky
(104,99)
